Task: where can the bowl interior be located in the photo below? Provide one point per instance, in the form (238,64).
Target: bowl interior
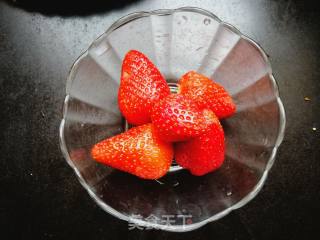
(177,41)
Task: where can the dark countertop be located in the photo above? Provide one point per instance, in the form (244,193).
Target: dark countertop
(40,195)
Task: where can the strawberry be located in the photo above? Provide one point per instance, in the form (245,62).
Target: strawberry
(207,94)
(141,86)
(204,153)
(178,118)
(138,151)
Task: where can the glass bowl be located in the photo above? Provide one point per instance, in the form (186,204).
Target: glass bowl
(177,41)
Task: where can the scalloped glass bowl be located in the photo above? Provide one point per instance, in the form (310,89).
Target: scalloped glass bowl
(177,41)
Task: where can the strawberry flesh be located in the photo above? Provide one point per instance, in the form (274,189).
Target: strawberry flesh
(202,154)
(178,118)
(141,86)
(207,94)
(138,151)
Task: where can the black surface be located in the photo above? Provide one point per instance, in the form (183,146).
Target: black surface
(40,195)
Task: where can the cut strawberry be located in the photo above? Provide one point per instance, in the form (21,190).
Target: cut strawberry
(138,151)
(141,86)
(178,118)
(207,94)
(202,154)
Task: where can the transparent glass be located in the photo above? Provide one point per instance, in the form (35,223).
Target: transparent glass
(177,41)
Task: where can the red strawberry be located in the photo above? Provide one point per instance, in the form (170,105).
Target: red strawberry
(207,94)
(178,118)
(141,86)
(138,151)
(204,153)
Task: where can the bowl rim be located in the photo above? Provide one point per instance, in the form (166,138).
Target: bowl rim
(189,227)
